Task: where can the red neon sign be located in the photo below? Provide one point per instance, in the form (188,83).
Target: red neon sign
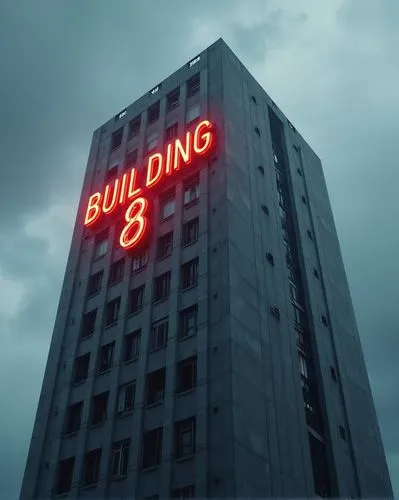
(179,154)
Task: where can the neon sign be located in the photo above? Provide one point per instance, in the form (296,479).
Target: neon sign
(133,190)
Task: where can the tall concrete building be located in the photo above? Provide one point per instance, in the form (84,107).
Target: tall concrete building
(205,343)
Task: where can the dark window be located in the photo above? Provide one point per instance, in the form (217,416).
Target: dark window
(257,131)
(188,322)
(99,408)
(270,258)
(116,271)
(171,132)
(294,293)
(126,398)
(81,368)
(94,285)
(162,287)
(165,245)
(159,333)
(300,317)
(172,99)
(333,373)
(316,273)
(120,458)
(101,244)
(134,126)
(261,169)
(342,432)
(189,274)
(190,232)
(64,476)
(184,493)
(324,320)
(275,311)
(132,346)
(111,173)
(91,471)
(303,200)
(167,207)
(303,366)
(139,262)
(153,113)
(193,85)
(152,448)
(254,99)
(112,311)
(191,193)
(185,438)
(309,233)
(116,139)
(299,170)
(320,468)
(131,158)
(106,355)
(136,297)
(265,209)
(73,418)
(309,394)
(155,386)
(88,324)
(187,374)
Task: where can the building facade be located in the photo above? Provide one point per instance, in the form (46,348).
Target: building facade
(205,343)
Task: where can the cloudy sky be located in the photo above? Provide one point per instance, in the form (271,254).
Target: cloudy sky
(67,67)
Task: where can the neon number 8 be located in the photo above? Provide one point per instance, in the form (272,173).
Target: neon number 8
(136,224)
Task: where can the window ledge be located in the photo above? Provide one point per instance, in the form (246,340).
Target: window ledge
(191,203)
(130,360)
(134,313)
(79,382)
(119,478)
(150,468)
(85,338)
(160,301)
(70,434)
(126,413)
(185,459)
(190,243)
(181,339)
(89,486)
(98,424)
(155,349)
(163,257)
(187,391)
(110,325)
(153,405)
(189,287)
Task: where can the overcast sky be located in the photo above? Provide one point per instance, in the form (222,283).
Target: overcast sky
(68,66)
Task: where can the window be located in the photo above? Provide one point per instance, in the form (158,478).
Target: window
(265,209)
(189,274)
(139,262)
(191,193)
(120,458)
(152,448)
(131,158)
(316,273)
(165,245)
(300,317)
(159,333)
(136,297)
(184,493)
(81,368)
(171,132)
(162,287)
(167,207)
(116,139)
(153,113)
(101,245)
(333,373)
(257,131)
(270,258)
(116,271)
(64,476)
(342,432)
(112,312)
(275,312)
(112,172)
(309,233)
(187,374)
(319,466)
(132,346)
(193,113)
(94,285)
(134,126)
(303,200)
(99,408)
(126,398)
(254,99)
(324,321)
(294,293)
(151,142)
(193,85)
(190,232)
(172,99)
(185,438)
(106,355)
(73,418)
(88,324)
(188,322)
(91,468)
(261,169)
(303,366)
(156,386)
(120,115)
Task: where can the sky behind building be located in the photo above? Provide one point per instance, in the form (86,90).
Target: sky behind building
(68,67)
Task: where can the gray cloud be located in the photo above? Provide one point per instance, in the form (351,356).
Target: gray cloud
(68,67)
